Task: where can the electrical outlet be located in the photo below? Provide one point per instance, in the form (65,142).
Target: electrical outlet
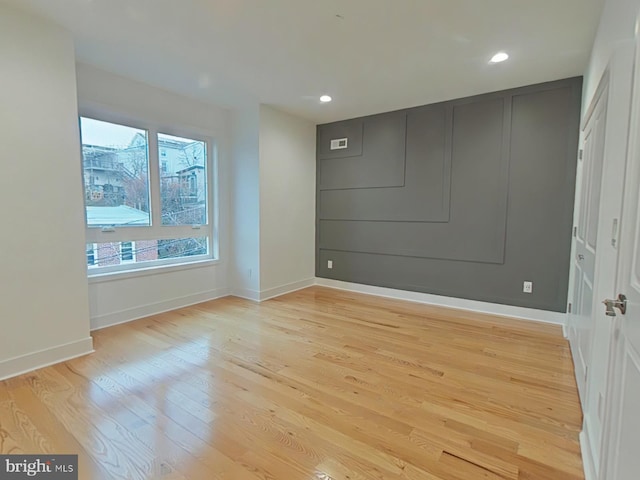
(527,287)
(329,264)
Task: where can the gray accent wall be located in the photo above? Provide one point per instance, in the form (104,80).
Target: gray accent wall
(467,198)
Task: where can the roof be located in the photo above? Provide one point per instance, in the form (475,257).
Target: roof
(113,216)
(192,167)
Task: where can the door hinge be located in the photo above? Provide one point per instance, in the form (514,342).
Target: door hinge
(575,231)
(569,308)
(580,153)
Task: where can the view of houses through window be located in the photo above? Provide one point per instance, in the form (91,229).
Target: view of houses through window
(125,182)
(118,253)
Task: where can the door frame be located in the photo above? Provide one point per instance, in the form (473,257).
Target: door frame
(601,93)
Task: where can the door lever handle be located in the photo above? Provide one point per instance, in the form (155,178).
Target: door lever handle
(611,305)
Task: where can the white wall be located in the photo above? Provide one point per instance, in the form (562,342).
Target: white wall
(617,26)
(44,313)
(118,299)
(287,202)
(245,202)
(266,200)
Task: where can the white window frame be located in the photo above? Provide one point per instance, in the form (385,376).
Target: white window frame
(133,252)
(157,231)
(94,250)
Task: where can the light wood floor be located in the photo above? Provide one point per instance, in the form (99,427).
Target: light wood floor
(318,384)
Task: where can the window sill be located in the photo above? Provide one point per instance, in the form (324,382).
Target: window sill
(143,272)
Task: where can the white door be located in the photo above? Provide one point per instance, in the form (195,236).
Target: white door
(584,259)
(605,134)
(623,419)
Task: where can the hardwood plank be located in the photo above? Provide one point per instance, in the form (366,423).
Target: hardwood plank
(315,384)
(50,435)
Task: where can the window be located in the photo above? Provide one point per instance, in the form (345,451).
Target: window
(91,255)
(183,188)
(147,196)
(126,251)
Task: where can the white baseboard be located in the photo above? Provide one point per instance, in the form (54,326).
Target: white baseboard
(123,316)
(246,293)
(284,289)
(450,302)
(565,331)
(587,458)
(15,366)
(261,296)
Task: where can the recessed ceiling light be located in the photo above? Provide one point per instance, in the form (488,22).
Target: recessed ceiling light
(325,98)
(499,57)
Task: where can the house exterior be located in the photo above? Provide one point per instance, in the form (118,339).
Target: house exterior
(117,253)
(118,176)
(103,172)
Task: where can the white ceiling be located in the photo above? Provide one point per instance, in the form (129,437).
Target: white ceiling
(370,55)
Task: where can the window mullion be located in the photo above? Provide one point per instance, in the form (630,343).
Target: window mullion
(127,234)
(212,198)
(154,180)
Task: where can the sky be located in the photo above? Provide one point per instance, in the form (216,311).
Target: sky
(95,132)
(105,134)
